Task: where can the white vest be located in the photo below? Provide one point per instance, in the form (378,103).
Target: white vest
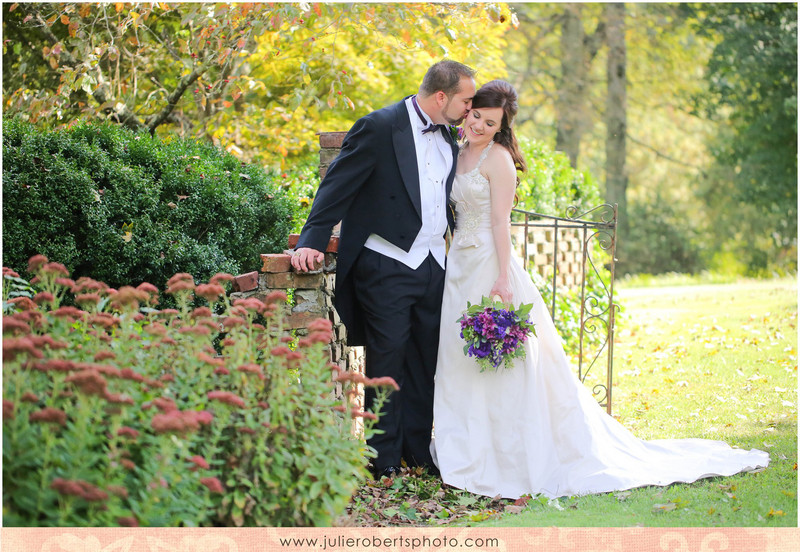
(434,161)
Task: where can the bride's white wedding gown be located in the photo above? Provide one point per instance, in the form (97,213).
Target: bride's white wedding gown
(534,428)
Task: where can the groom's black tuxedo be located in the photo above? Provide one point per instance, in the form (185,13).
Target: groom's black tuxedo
(373,187)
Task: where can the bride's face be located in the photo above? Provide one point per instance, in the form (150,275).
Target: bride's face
(483,123)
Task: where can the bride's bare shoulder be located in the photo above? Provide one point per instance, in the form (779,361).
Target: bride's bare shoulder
(499,158)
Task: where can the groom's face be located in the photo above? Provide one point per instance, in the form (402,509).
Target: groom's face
(457,106)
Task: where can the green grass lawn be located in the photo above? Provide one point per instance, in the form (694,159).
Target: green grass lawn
(717,361)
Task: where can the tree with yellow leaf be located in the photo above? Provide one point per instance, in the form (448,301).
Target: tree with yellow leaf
(259,79)
(354,59)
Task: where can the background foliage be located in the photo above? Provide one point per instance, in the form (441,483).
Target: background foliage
(551,184)
(751,188)
(260,79)
(711,93)
(711,122)
(123,206)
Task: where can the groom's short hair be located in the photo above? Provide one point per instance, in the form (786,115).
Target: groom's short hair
(446,76)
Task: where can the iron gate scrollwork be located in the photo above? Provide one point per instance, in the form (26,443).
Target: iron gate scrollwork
(596,228)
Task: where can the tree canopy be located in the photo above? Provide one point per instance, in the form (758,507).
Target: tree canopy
(259,79)
(752,89)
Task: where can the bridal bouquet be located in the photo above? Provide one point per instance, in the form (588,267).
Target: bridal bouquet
(494,332)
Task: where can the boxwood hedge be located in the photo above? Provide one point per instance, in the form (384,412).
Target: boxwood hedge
(127,207)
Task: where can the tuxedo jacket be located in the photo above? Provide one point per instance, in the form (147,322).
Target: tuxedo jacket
(372,187)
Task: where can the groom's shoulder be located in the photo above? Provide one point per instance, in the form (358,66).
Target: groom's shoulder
(388,114)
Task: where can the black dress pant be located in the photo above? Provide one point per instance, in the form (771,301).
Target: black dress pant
(402,308)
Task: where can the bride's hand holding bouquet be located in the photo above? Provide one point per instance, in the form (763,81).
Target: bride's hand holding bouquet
(494,332)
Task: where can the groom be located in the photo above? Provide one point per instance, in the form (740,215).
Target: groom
(389,187)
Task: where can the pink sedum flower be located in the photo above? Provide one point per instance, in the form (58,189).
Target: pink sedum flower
(226,397)
(36,262)
(214,485)
(126,431)
(199,462)
(49,415)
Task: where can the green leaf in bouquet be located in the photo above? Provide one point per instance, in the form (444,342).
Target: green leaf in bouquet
(523,310)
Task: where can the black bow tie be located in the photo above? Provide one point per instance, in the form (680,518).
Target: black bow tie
(431,128)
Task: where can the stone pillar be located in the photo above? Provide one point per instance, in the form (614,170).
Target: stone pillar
(313,298)
(329,145)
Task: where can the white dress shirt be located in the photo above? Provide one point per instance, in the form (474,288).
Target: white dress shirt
(434,161)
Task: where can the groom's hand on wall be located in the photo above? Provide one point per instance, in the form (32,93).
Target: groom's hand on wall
(305,259)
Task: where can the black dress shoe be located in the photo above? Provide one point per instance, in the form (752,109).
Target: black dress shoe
(389,471)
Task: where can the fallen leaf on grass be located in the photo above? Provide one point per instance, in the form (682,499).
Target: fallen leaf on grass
(668,507)
(773,513)
(513,509)
(522,501)
(483,516)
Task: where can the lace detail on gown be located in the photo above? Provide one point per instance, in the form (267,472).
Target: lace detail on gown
(471,198)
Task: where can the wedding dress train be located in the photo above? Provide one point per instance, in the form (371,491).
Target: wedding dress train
(534,428)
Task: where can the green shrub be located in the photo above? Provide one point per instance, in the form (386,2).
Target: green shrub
(551,185)
(120,414)
(659,241)
(126,207)
(568,311)
(300,183)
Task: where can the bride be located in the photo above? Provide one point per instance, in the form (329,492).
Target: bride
(533,428)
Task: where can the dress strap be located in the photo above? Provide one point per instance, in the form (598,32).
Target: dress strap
(484,153)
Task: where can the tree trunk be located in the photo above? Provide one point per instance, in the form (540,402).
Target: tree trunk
(578,50)
(616,117)
(570,100)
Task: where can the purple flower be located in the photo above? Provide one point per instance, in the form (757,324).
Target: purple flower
(494,332)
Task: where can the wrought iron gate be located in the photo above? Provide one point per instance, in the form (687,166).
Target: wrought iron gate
(597,309)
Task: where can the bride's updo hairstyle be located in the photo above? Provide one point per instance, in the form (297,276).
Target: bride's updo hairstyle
(499,93)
